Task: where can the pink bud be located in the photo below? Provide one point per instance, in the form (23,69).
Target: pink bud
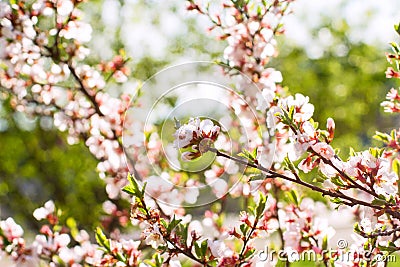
(330,124)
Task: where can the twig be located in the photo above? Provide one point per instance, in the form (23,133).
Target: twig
(336,194)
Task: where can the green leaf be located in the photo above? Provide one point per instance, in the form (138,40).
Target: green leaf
(378,202)
(261,206)
(204,247)
(376,152)
(381,137)
(244,229)
(158,260)
(252,210)
(396,166)
(393,134)
(182,231)
(388,248)
(173,224)
(289,164)
(293,197)
(337,200)
(101,239)
(337,181)
(257,176)
(71,223)
(254,153)
(249,253)
(251,156)
(395,47)
(325,243)
(357,228)
(352,152)
(133,187)
(198,250)
(397,28)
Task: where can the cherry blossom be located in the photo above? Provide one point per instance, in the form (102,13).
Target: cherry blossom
(42,212)
(200,134)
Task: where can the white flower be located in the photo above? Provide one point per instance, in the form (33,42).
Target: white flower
(198,134)
(61,240)
(219,187)
(78,30)
(303,109)
(264,99)
(42,212)
(186,133)
(191,194)
(327,170)
(64,7)
(219,249)
(157,185)
(109,207)
(324,150)
(10,229)
(386,182)
(5,9)
(152,235)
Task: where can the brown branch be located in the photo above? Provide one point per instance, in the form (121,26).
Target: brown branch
(83,89)
(381,233)
(245,243)
(331,193)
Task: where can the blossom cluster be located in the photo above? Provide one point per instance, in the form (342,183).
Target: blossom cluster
(198,134)
(392,104)
(45,75)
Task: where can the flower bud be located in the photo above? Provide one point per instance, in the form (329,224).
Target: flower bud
(330,125)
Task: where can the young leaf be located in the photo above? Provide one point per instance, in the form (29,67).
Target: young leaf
(102,239)
(244,229)
(198,250)
(293,197)
(248,155)
(397,28)
(396,166)
(173,224)
(204,247)
(381,137)
(289,164)
(325,242)
(261,206)
(177,123)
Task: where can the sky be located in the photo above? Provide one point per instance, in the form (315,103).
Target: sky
(370,21)
(148,30)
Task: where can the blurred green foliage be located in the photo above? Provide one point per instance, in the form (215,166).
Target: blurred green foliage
(39,165)
(348,86)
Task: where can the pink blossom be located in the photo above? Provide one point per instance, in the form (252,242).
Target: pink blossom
(42,212)
(152,235)
(198,134)
(324,150)
(64,7)
(10,229)
(78,30)
(219,249)
(303,109)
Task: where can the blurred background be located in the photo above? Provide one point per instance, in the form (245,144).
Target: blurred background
(334,52)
